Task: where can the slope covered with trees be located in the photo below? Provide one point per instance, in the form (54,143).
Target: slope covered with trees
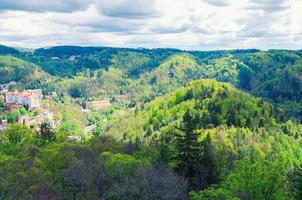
(207,140)
(148,73)
(228,144)
(172,131)
(18,70)
(216,103)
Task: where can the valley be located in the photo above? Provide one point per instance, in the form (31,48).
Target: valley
(120,123)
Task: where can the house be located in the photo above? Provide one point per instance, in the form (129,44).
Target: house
(3,124)
(29,98)
(37,120)
(36,92)
(98,105)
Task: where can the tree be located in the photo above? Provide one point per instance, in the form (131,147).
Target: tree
(213,194)
(22,111)
(296,180)
(17,134)
(207,170)
(188,149)
(152,183)
(46,132)
(12,116)
(258,179)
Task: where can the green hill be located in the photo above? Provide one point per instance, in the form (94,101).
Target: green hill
(149,73)
(216,104)
(16,69)
(4,50)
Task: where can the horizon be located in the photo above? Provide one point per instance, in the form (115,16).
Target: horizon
(120,47)
(201,25)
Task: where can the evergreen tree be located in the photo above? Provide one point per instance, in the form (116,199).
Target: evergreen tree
(207,166)
(297,183)
(188,149)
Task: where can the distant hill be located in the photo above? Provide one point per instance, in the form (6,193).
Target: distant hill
(148,73)
(16,69)
(131,61)
(4,50)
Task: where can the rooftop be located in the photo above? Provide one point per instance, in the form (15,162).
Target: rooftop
(23,94)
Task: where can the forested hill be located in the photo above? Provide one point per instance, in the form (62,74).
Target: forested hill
(214,104)
(142,74)
(167,124)
(16,69)
(227,143)
(4,50)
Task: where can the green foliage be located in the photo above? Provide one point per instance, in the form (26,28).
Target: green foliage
(224,142)
(17,134)
(4,50)
(22,111)
(258,179)
(16,69)
(188,149)
(216,104)
(213,194)
(296,181)
(47,133)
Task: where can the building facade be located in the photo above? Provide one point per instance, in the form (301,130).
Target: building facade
(29,98)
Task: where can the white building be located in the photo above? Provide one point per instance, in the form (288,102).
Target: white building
(30,98)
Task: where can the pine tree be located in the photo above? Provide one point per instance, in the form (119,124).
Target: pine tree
(188,149)
(296,180)
(207,173)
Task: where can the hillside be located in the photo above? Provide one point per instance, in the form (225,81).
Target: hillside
(215,103)
(131,61)
(18,70)
(4,50)
(148,73)
(170,124)
(217,137)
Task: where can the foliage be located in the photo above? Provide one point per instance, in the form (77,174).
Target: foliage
(167,132)
(16,69)
(47,133)
(17,134)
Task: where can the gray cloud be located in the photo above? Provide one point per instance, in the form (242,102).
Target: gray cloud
(44,5)
(220,3)
(269,5)
(127,8)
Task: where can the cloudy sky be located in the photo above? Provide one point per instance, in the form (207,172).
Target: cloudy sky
(184,24)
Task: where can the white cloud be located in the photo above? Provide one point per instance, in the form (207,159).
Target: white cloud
(184,24)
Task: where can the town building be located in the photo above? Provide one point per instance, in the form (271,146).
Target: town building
(98,105)
(33,121)
(29,98)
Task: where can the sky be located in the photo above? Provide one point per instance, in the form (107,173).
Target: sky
(182,24)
